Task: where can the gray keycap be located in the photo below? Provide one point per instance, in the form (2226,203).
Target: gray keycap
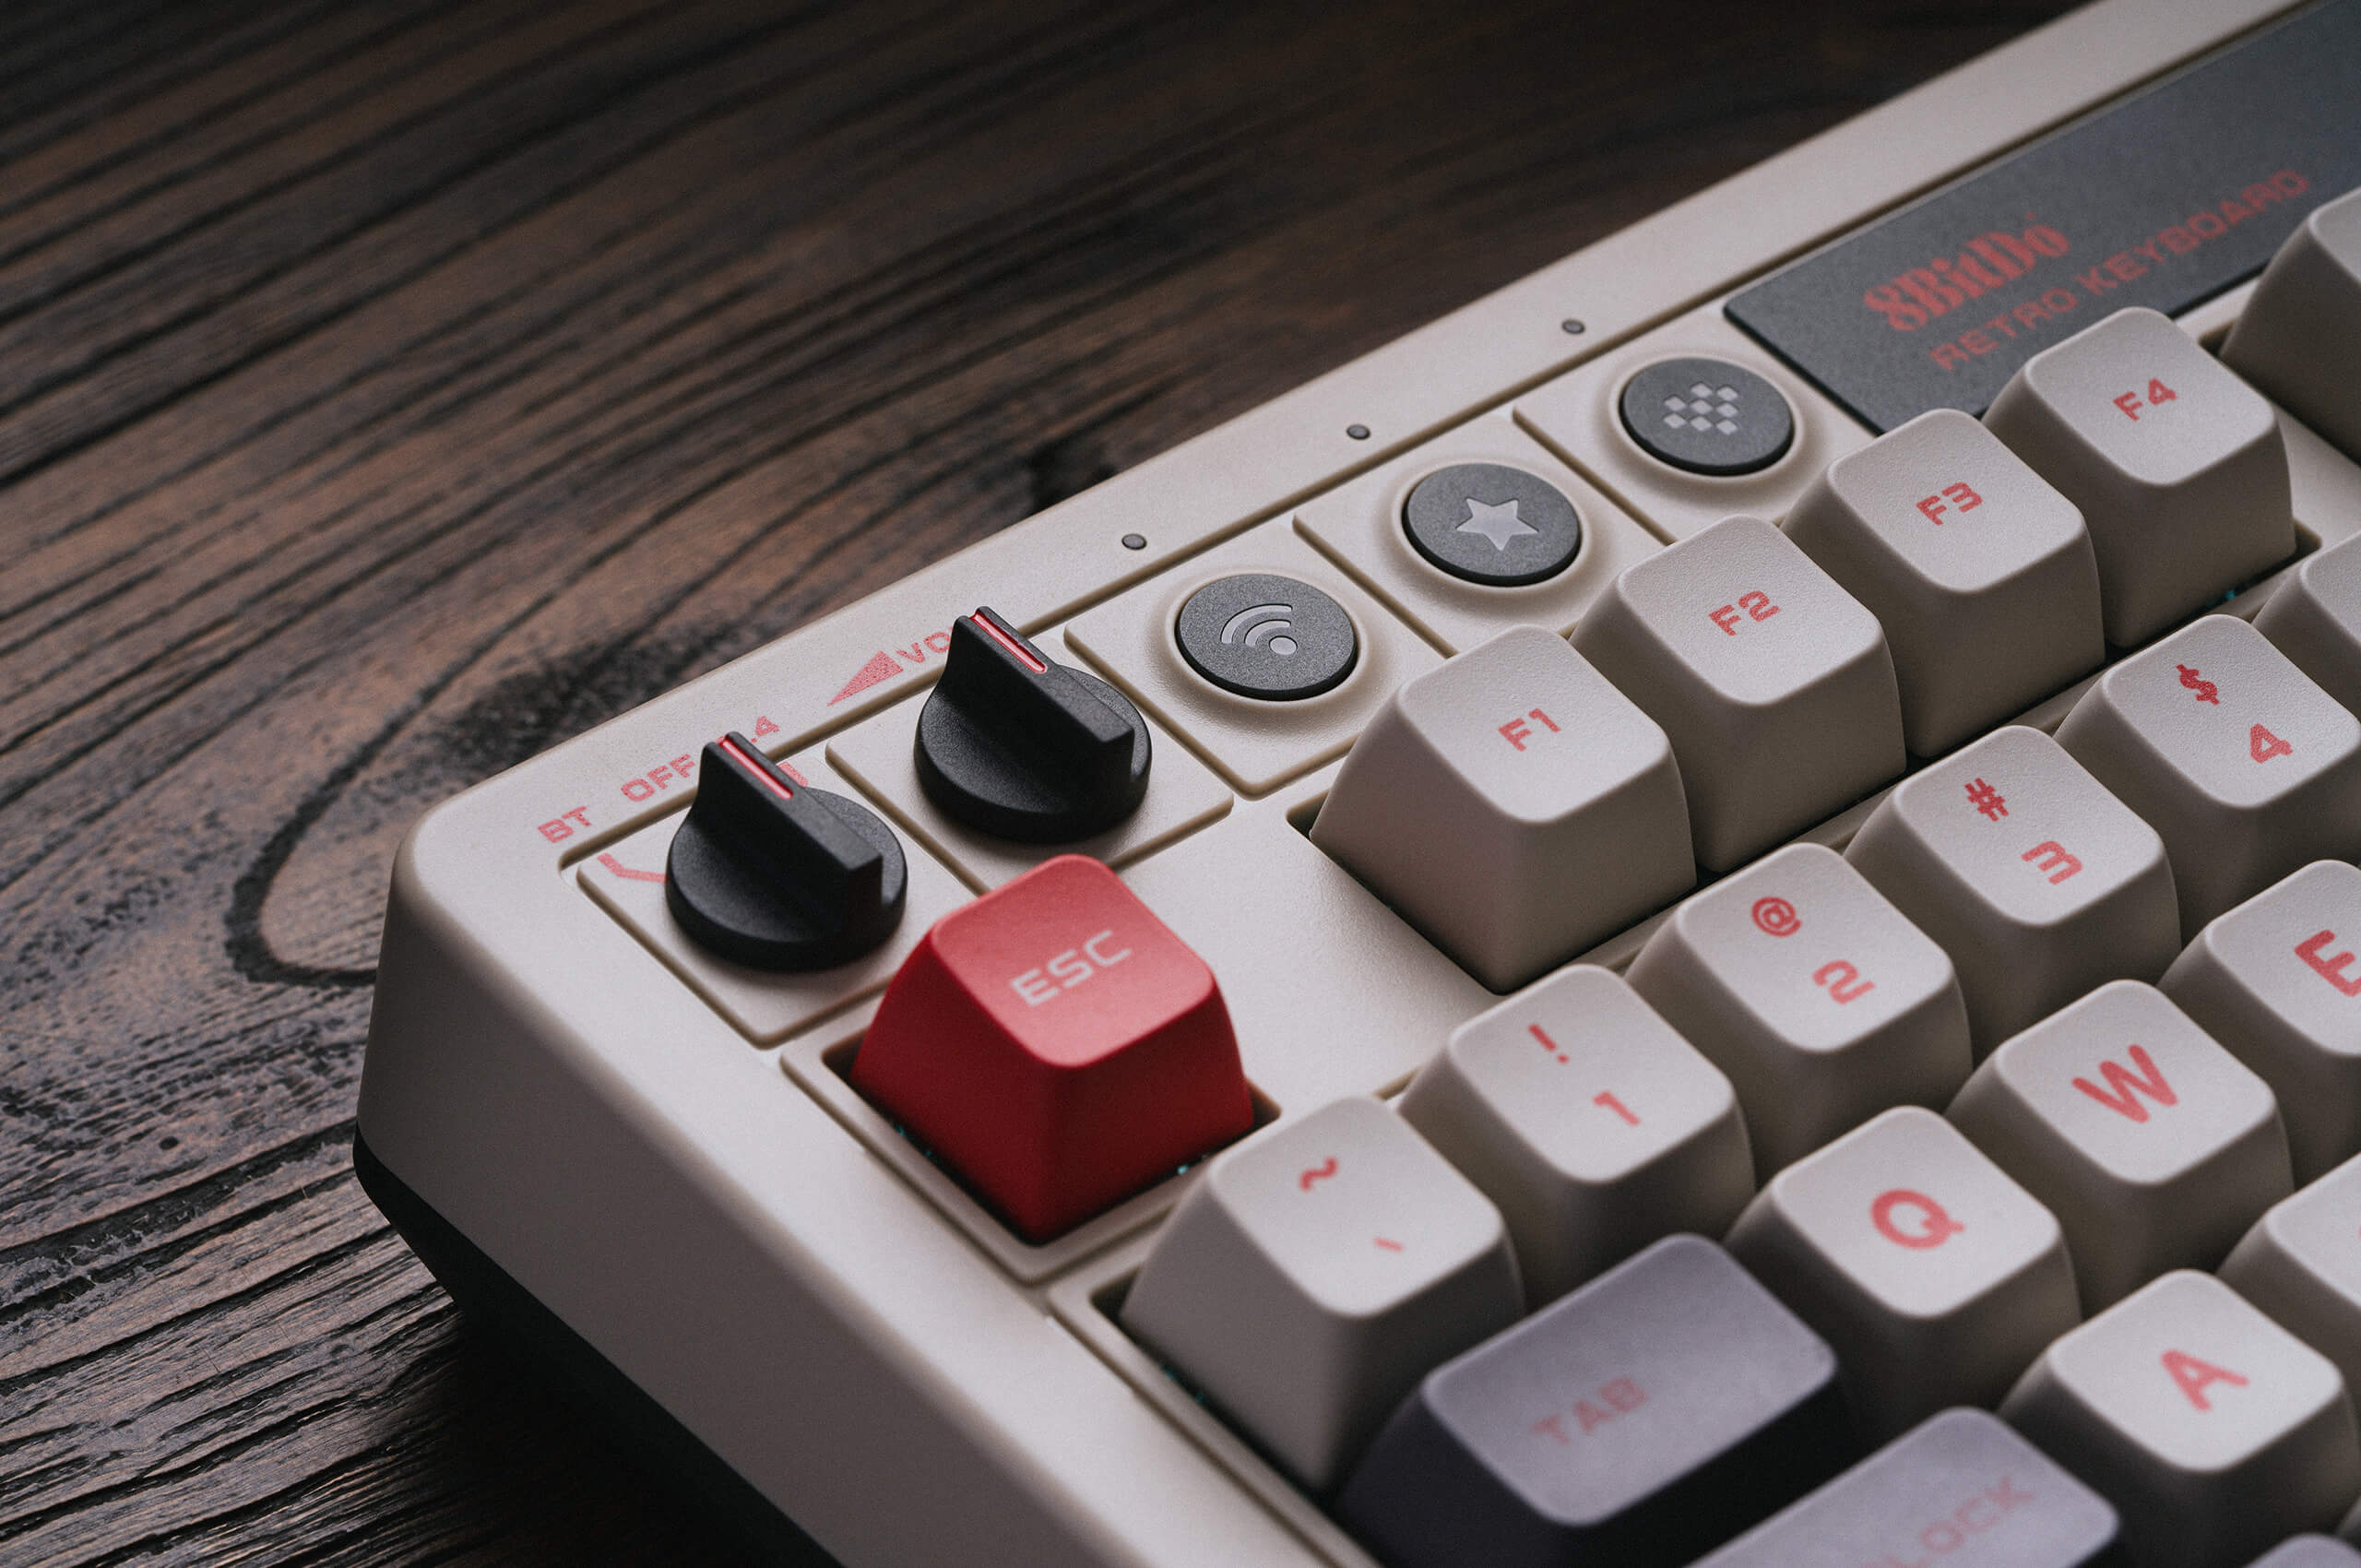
(1640,1420)
(2300,336)
(2309,1551)
(1961,1488)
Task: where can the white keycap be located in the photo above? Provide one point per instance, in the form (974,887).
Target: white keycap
(2177,465)
(2245,768)
(2302,1265)
(1774,682)
(1314,1274)
(1980,572)
(1937,1278)
(2277,981)
(2314,617)
(2038,883)
(2213,1431)
(1818,999)
(2153,1145)
(1513,805)
(2299,336)
(1594,1126)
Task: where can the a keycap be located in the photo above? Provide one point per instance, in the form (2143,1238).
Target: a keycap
(2245,768)
(2154,1146)
(1513,805)
(1774,682)
(2177,464)
(1311,1277)
(2038,883)
(2277,981)
(2314,617)
(1981,573)
(1591,1124)
(1636,1422)
(1936,1277)
(1961,1488)
(2302,1264)
(2309,1552)
(1057,1046)
(1818,999)
(2213,1431)
(2299,336)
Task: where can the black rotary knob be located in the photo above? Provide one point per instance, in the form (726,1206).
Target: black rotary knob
(776,875)
(1019,747)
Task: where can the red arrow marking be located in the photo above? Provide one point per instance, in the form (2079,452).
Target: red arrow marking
(625,872)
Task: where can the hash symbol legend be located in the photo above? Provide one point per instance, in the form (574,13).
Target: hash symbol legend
(1986,798)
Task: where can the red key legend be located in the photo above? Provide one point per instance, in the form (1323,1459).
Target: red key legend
(1057,1046)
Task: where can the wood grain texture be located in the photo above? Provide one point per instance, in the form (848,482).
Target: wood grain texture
(388,390)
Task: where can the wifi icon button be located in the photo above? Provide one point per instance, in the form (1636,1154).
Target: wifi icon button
(1266,636)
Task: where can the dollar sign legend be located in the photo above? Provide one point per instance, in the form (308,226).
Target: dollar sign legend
(2206,690)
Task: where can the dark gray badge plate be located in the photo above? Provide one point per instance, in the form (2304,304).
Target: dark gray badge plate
(2164,198)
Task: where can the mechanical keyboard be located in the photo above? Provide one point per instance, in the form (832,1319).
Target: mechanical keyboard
(1705,912)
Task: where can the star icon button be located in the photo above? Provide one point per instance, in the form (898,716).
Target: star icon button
(1499,524)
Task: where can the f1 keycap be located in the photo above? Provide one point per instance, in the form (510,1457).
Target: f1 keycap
(2154,1146)
(1311,1277)
(2038,883)
(1936,1277)
(2314,617)
(1774,682)
(2177,464)
(1057,1046)
(2302,1265)
(1962,1488)
(2299,336)
(2245,768)
(2277,981)
(1979,570)
(1822,1004)
(2213,1432)
(1589,1121)
(1513,805)
(1641,1419)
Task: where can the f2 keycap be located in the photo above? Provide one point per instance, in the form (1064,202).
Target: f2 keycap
(1774,682)
(1311,1277)
(2213,1432)
(1640,1420)
(2038,883)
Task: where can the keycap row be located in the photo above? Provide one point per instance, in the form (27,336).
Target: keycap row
(1317,1271)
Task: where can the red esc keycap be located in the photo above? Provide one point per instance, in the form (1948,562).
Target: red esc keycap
(1057,1046)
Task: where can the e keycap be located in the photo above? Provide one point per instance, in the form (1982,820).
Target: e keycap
(1707,416)
(1262,636)
(1490,524)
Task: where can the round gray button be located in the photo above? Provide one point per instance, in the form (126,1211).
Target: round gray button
(1267,636)
(1707,416)
(1492,524)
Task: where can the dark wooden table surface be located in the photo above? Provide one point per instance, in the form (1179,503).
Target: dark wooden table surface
(388,390)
